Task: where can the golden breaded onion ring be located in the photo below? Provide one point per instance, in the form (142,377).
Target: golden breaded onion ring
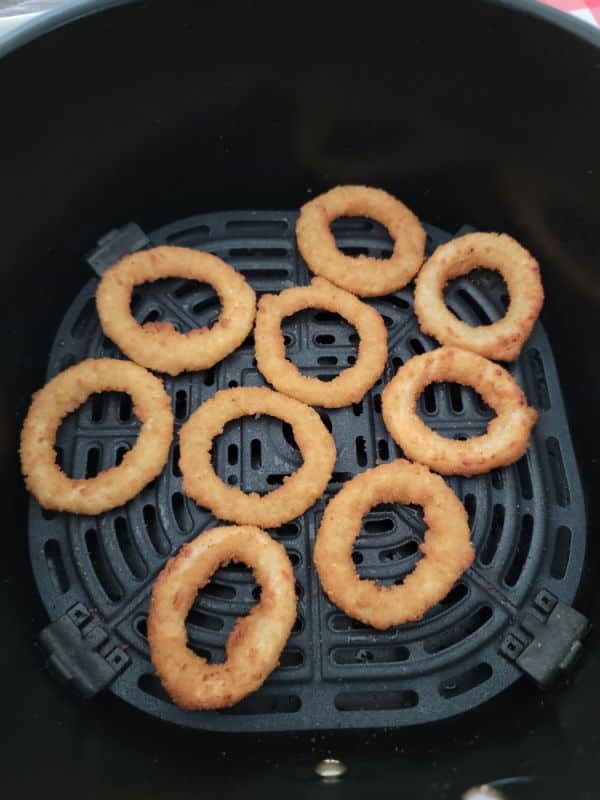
(447,547)
(253,647)
(298,492)
(65,393)
(349,386)
(364,275)
(508,433)
(501,340)
(159,346)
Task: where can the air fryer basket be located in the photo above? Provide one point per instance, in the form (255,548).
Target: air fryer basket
(156,114)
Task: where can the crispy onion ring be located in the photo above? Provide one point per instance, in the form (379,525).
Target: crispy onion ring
(349,386)
(364,275)
(507,436)
(298,492)
(501,340)
(159,346)
(62,395)
(447,546)
(254,646)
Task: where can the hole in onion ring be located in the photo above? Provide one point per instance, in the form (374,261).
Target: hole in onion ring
(96,408)
(456,295)
(264,434)
(197,298)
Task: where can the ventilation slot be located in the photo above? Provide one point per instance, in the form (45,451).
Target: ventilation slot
(160,544)
(151,316)
(92,463)
(288,433)
(542,395)
(277,478)
(325,338)
(232,455)
(209,376)
(288,531)
(482,316)
(134,561)
(260,253)
(559,475)
(455,595)
(206,304)
(56,566)
(523,546)
(429,399)
(471,506)
(255,454)
(354,251)
(266,704)
(381,525)
(180,409)
(397,362)
(562,552)
(291,659)
(342,624)
(219,590)
(361,451)
(377,403)
(120,454)
(417,346)
(488,551)
(340,477)
(101,566)
(373,655)
(497,478)
(402,551)
(326,420)
(97,407)
(376,701)
(327,361)
(175,462)
(125,407)
(459,631)
(201,620)
(465,681)
(357,408)
(180,512)
(351,225)
(257,227)
(525,478)
(266,274)
(456,400)
(141,626)
(383,450)
(189,236)
(185,289)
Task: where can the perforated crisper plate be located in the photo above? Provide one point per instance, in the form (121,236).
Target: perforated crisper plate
(527,522)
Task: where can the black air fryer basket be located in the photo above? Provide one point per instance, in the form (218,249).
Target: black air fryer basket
(153,123)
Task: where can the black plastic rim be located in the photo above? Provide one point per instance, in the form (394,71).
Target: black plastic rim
(70,12)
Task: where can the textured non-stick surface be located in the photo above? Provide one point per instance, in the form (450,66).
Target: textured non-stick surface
(527,521)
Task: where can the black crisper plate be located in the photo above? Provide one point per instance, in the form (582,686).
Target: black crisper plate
(527,521)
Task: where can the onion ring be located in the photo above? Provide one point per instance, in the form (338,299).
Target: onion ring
(501,340)
(447,546)
(349,386)
(298,492)
(62,395)
(364,275)
(507,436)
(159,346)
(254,646)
